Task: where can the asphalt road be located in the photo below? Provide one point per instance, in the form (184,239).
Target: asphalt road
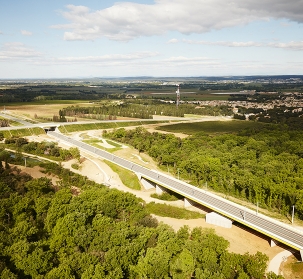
(270,227)
(4,115)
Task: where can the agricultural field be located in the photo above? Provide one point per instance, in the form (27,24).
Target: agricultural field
(40,111)
(211,127)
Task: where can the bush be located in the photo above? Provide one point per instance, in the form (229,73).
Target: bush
(165,197)
(75,166)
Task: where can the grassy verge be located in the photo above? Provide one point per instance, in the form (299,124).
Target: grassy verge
(97,143)
(23,132)
(165,210)
(128,178)
(113,143)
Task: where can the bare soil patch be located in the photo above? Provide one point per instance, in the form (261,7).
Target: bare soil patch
(292,269)
(36,172)
(241,241)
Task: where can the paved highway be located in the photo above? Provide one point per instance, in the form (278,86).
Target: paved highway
(270,227)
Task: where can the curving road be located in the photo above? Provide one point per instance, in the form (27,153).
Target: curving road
(270,227)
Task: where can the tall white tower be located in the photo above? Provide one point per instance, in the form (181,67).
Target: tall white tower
(178,95)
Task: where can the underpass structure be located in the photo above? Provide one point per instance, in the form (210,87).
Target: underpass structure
(275,230)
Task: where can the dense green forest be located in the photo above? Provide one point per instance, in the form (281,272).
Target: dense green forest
(263,165)
(80,229)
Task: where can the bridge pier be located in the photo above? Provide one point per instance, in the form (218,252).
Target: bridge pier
(273,243)
(301,254)
(147,184)
(160,190)
(187,203)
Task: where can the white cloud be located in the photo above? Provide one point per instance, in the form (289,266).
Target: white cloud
(109,58)
(17,50)
(291,45)
(225,43)
(127,20)
(290,9)
(173,41)
(26,33)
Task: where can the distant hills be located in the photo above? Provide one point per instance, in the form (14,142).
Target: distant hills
(257,78)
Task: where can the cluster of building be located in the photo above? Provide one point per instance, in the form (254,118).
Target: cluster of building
(289,100)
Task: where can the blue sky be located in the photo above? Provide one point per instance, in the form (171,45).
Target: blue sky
(100,38)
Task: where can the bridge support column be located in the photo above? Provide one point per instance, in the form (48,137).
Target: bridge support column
(273,243)
(159,190)
(187,203)
(146,184)
(301,253)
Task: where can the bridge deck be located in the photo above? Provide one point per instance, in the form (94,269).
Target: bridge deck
(268,226)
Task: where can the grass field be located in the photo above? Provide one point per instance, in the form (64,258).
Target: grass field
(210,127)
(23,132)
(45,102)
(128,178)
(41,109)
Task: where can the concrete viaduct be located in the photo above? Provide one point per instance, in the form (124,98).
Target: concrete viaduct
(275,230)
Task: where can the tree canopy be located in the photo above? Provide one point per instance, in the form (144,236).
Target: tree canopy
(50,232)
(261,165)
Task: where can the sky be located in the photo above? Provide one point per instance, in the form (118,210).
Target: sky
(159,38)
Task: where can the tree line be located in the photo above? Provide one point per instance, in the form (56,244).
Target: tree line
(44,148)
(139,110)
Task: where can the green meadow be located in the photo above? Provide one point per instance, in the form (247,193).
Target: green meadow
(211,127)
